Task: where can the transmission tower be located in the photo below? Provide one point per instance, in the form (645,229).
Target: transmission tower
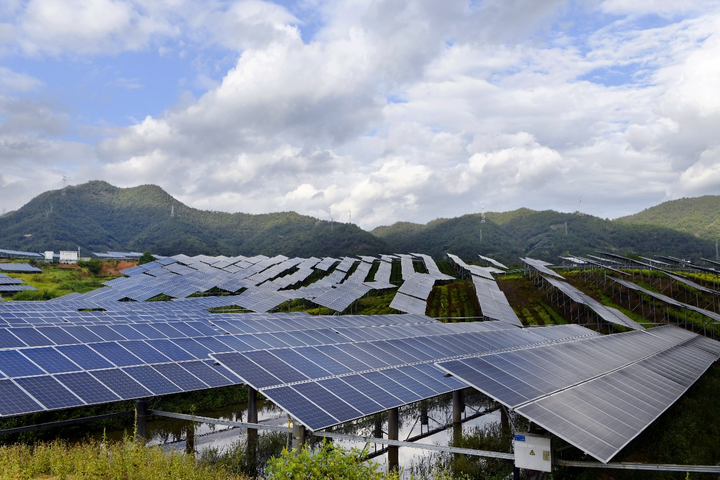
(63,192)
(482,215)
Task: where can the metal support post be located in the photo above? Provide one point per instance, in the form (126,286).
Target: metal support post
(140,419)
(298,440)
(393,434)
(252,416)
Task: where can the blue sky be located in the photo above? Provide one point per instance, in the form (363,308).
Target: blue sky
(392,110)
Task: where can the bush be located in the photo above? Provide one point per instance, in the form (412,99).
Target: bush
(330,461)
(94,266)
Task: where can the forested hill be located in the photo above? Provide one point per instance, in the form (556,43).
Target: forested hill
(698,216)
(507,236)
(97,217)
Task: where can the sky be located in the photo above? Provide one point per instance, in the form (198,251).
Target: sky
(370,111)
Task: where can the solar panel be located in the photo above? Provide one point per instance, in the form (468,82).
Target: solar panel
(49,392)
(15,401)
(152,380)
(87,387)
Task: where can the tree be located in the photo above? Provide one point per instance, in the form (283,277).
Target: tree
(146,258)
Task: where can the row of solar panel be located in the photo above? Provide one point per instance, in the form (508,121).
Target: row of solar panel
(34,394)
(125,346)
(263,369)
(518,377)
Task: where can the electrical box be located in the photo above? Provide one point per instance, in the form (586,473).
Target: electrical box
(533,452)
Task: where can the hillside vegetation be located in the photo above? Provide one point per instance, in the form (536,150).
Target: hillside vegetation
(545,235)
(97,216)
(696,216)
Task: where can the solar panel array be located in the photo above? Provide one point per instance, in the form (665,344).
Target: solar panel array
(668,300)
(597,393)
(609,314)
(258,283)
(332,384)
(51,363)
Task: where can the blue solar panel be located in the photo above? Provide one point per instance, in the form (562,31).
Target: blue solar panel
(32,337)
(409,383)
(58,336)
(191,346)
(121,383)
(253,341)
(187,330)
(248,370)
(406,346)
(203,328)
(312,416)
(147,353)
(149,331)
(323,360)
(208,374)
(303,338)
(116,354)
(376,349)
(234,344)
(8,340)
(49,392)
(434,373)
(86,387)
(128,332)
(289,339)
(423,378)
(392,387)
(15,401)
(271,340)
(151,380)
(83,334)
(168,330)
(364,356)
(349,361)
(84,356)
(280,369)
(169,349)
(51,360)
(213,344)
(105,332)
(376,393)
(327,401)
(352,396)
(12,364)
(300,363)
(180,377)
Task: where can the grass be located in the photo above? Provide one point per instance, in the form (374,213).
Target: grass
(125,460)
(55,281)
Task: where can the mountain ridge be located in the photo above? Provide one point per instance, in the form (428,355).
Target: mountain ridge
(98,216)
